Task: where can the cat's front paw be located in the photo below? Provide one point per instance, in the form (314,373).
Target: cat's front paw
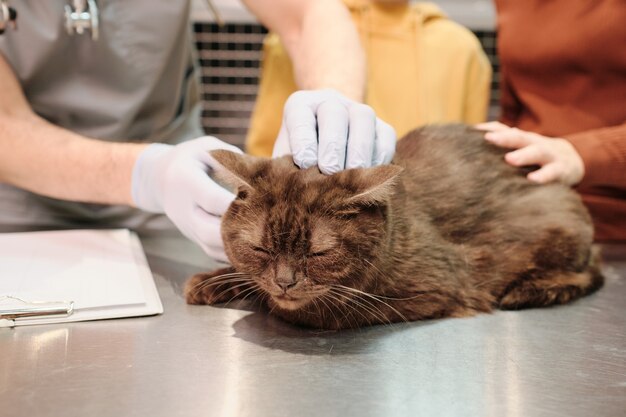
(194,293)
(213,288)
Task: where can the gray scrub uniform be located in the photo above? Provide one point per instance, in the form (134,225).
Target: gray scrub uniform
(136,82)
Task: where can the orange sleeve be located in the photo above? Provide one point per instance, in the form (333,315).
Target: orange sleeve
(604,154)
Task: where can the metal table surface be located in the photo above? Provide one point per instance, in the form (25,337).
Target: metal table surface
(203,361)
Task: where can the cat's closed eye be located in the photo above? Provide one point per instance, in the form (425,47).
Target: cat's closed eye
(261,251)
(318,254)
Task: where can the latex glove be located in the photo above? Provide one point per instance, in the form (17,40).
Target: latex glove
(325,128)
(557,158)
(174,180)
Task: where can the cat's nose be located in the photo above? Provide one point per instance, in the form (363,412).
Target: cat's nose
(286,285)
(285,277)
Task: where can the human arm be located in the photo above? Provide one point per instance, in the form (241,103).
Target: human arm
(592,158)
(603,152)
(37,156)
(321,40)
(325,124)
(45,159)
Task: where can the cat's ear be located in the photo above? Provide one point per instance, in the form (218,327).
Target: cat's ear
(235,170)
(373,186)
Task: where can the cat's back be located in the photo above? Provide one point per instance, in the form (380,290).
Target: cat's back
(454,159)
(456,177)
(448,147)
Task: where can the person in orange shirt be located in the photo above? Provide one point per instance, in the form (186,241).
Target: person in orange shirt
(563,97)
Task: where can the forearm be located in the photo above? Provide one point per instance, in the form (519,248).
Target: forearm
(54,162)
(321,40)
(603,152)
(328,52)
(45,159)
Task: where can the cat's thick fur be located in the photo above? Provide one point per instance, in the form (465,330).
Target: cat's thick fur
(448,230)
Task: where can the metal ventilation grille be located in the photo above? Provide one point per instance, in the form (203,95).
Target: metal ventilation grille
(488,41)
(230,59)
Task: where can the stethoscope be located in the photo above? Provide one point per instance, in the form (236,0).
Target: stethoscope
(81,16)
(8,16)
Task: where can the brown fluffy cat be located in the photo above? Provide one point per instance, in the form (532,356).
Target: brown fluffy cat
(448,230)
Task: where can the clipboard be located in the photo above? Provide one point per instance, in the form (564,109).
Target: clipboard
(74,275)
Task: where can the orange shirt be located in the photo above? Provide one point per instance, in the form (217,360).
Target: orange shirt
(563,68)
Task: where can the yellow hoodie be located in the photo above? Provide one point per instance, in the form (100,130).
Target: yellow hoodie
(422,68)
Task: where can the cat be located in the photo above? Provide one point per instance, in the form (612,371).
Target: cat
(447,230)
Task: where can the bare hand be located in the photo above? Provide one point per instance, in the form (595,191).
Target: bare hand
(557,158)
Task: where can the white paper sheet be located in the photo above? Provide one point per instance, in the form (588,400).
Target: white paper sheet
(103,272)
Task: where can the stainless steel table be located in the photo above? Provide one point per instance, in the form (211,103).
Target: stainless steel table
(203,361)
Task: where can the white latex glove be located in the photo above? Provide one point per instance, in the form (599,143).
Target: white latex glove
(174,180)
(324,128)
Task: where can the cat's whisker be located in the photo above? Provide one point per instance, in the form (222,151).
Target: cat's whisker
(225,291)
(346,312)
(262,295)
(384,297)
(329,308)
(255,289)
(218,284)
(229,274)
(372,309)
(373,266)
(375,315)
(386,318)
(371,296)
(247,290)
(316,292)
(273,307)
(393,298)
(319,311)
(221,277)
(367,307)
(205,284)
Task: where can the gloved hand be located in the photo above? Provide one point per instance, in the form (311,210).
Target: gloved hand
(174,180)
(325,128)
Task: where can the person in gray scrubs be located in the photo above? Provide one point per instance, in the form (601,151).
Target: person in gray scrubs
(106,132)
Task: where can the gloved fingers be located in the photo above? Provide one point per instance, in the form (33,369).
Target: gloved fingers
(385,144)
(361,136)
(207,234)
(206,193)
(210,143)
(301,128)
(281,146)
(332,122)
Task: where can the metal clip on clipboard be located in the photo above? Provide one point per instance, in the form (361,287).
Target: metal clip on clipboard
(13,308)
